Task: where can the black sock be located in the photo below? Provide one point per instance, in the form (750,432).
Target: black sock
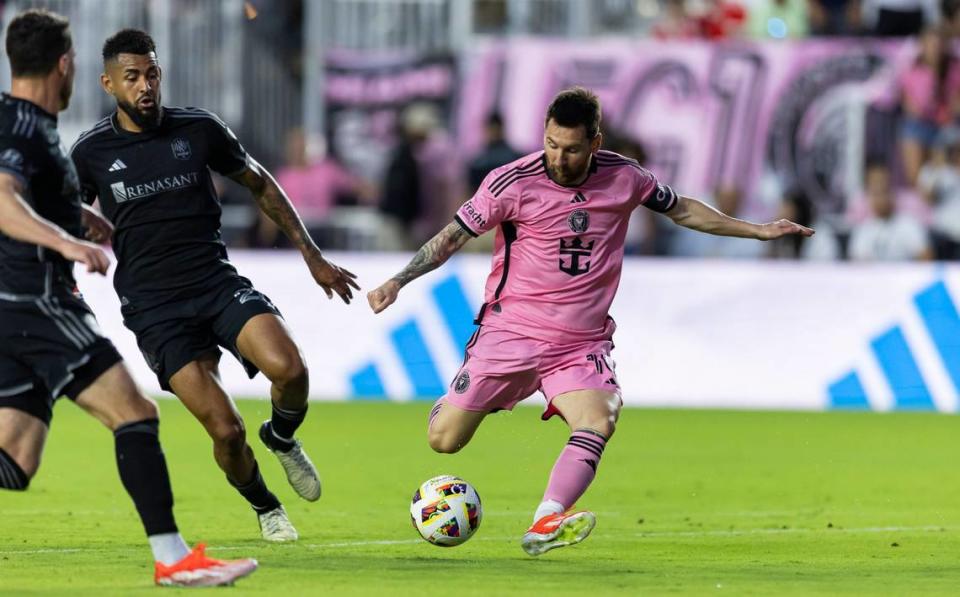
(256,492)
(11,475)
(143,472)
(285,422)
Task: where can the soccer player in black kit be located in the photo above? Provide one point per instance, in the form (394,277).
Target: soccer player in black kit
(150,168)
(50,345)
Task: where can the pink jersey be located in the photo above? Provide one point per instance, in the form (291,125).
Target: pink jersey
(558,253)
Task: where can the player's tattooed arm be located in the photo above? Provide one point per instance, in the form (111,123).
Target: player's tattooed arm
(699,216)
(275,204)
(431,255)
(434,253)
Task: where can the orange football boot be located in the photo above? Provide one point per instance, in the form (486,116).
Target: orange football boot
(558,530)
(197,570)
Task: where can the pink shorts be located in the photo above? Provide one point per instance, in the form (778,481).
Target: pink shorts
(502,368)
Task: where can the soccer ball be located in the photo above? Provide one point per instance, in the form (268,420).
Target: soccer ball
(446,511)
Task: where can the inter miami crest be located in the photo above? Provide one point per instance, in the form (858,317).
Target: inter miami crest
(181,148)
(579,221)
(462,382)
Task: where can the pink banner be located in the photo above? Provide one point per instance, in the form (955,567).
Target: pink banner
(707,113)
(765,117)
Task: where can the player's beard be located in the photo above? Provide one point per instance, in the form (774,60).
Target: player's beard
(65,93)
(567,176)
(145,119)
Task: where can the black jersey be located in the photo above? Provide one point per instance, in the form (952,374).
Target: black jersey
(31,151)
(156,189)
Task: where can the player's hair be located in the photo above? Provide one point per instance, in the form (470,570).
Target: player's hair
(575,107)
(36,39)
(128,41)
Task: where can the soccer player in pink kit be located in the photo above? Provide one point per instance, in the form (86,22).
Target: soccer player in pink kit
(562,215)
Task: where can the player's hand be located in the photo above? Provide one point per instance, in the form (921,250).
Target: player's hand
(87,253)
(383,297)
(99,229)
(332,278)
(774,230)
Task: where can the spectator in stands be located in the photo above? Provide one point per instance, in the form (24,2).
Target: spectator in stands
(930,97)
(778,19)
(495,153)
(939,184)
(823,246)
(887,234)
(899,18)
(423,179)
(722,19)
(950,17)
(676,22)
(314,186)
(400,197)
(834,17)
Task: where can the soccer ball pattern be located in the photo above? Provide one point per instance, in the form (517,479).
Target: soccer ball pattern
(446,510)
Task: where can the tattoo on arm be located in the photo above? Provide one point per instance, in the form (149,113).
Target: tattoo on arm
(434,253)
(275,204)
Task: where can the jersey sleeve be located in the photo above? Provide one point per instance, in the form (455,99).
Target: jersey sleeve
(16,161)
(653,194)
(488,207)
(227,155)
(88,187)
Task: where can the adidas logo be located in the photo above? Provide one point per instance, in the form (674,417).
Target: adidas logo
(117,166)
(578,198)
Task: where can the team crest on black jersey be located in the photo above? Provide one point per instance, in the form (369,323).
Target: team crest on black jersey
(579,221)
(11,159)
(181,149)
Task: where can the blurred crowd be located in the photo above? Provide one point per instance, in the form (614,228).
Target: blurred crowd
(908,207)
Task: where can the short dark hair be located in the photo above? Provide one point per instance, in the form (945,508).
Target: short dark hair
(36,39)
(128,41)
(576,107)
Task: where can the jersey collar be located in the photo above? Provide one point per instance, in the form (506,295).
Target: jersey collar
(30,105)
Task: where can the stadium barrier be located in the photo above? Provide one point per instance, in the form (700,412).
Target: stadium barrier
(704,334)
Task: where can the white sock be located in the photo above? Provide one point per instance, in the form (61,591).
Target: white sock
(548,507)
(168,548)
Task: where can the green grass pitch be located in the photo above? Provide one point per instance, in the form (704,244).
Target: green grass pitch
(688,502)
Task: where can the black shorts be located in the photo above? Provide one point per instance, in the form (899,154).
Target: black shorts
(179,332)
(49,347)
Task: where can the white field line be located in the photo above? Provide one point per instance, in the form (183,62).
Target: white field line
(652,534)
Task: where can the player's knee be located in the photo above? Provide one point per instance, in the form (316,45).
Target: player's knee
(229,434)
(287,369)
(444,443)
(602,420)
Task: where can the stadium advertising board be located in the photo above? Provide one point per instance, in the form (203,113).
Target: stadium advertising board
(712,334)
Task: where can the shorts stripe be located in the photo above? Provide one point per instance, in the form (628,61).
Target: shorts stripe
(5,480)
(88,334)
(70,334)
(81,329)
(69,376)
(16,390)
